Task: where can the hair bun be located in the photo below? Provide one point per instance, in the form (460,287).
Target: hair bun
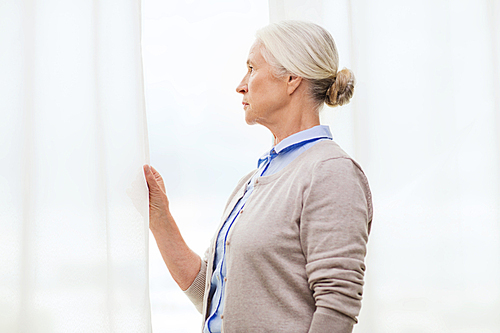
(341,90)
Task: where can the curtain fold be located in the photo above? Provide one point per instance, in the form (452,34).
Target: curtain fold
(73,139)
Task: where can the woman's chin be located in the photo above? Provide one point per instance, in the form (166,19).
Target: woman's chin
(250,119)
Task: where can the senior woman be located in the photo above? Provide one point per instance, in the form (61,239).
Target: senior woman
(289,253)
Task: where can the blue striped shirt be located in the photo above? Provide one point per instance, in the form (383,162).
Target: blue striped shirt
(270,163)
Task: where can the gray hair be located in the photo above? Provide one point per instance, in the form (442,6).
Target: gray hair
(307,50)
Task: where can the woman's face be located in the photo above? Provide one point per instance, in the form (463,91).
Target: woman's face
(264,95)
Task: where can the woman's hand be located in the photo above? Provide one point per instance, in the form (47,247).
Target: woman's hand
(182,263)
(158,202)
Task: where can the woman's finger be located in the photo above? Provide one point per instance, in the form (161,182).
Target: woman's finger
(158,201)
(151,179)
(155,172)
(158,178)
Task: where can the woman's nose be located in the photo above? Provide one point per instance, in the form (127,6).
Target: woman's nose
(242,87)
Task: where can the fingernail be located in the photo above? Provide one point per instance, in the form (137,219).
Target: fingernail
(146,168)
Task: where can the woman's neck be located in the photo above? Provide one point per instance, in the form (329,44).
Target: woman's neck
(295,121)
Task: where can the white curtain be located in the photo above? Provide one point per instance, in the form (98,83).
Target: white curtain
(73,201)
(425,125)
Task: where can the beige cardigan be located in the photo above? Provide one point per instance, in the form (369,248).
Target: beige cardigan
(295,254)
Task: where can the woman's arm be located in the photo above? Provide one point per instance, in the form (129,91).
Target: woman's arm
(334,234)
(182,263)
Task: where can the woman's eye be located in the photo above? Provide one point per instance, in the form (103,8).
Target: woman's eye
(250,69)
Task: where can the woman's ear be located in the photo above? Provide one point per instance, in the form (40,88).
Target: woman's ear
(293,83)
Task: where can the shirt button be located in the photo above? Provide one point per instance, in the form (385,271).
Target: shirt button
(256,181)
(227,243)
(225,279)
(241,212)
(221,316)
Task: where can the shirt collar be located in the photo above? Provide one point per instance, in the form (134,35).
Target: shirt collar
(296,140)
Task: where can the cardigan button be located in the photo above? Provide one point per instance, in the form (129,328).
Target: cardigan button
(225,279)
(221,316)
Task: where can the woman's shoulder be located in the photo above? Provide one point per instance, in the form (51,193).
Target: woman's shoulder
(327,151)
(328,161)
(331,165)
